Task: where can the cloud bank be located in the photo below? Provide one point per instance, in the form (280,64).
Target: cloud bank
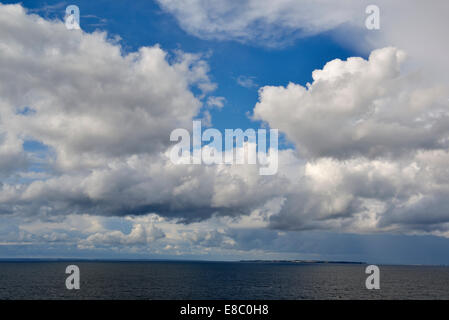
(370,137)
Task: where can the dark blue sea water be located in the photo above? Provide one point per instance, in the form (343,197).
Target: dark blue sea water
(219,280)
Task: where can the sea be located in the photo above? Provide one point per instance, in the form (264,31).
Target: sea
(194,280)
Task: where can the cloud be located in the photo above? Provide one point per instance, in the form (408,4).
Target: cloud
(417,28)
(12,156)
(217,102)
(374,140)
(210,239)
(263,22)
(140,185)
(88,100)
(140,235)
(359,107)
(247,82)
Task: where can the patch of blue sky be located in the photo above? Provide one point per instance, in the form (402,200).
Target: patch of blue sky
(38,166)
(26,111)
(118,223)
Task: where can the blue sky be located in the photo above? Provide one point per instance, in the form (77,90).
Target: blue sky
(363,132)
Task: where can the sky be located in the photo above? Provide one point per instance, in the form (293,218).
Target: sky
(363,117)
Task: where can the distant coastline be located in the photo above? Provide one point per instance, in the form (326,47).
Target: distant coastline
(304,261)
(174,260)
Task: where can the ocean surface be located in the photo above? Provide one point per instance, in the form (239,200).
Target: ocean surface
(218,280)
